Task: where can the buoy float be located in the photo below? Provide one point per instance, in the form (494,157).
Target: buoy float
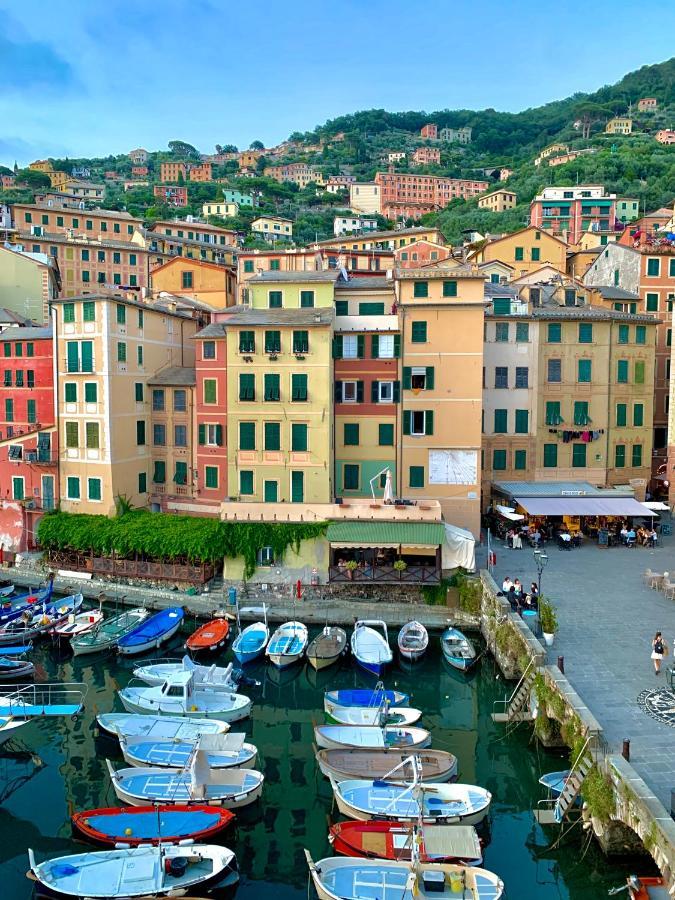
(128,832)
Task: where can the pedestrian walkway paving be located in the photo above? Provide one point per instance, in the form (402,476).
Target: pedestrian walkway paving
(607,619)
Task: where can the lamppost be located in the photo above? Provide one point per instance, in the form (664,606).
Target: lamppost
(540,560)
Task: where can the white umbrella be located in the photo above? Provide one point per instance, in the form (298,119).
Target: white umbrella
(388,488)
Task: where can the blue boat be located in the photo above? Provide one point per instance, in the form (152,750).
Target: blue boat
(149,824)
(287,645)
(458,649)
(370,646)
(11,609)
(19,650)
(250,643)
(364,697)
(153,632)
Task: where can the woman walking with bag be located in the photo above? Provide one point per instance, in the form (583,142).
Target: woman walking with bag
(659,650)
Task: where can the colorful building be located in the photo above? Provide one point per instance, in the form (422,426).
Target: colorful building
(213,284)
(174,475)
(233,196)
(526,250)
(350,224)
(498,201)
(364,197)
(567,212)
(192,229)
(224,210)
(647,104)
(51,218)
(425,155)
(173,195)
(665,136)
(382,240)
(139,157)
(619,125)
(421,253)
(411,196)
(29,279)
(273,228)
(173,171)
(429,132)
(202,172)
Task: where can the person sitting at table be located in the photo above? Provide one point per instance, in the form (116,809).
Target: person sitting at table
(536,537)
(509,538)
(506,585)
(517,541)
(631,537)
(565,539)
(518,588)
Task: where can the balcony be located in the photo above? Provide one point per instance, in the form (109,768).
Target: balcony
(377,574)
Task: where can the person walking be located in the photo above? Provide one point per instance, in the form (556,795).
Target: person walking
(659,650)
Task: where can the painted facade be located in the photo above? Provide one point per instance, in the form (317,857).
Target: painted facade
(210,283)
(29,279)
(411,196)
(570,211)
(526,250)
(498,201)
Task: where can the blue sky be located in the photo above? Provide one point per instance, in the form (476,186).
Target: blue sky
(83,78)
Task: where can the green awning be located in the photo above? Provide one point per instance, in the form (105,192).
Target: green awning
(385,534)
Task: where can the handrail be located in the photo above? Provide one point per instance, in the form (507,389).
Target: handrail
(18,699)
(506,702)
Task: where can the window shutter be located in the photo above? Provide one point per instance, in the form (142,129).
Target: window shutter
(407,378)
(202,434)
(397,392)
(219,435)
(338,392)
(360,345)
(337,346)
(429,422)
(430,378)
(73,356)
(374,391)
(359,392)
(397,346)
(375,346)
(87,355)
(406,421)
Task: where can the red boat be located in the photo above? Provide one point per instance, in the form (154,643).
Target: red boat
(210,636)
(393,840)
(640,888)
(134,825)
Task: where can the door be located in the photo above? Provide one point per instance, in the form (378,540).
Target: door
(271,492)
(48,492)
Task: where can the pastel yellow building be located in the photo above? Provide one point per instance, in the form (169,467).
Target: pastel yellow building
(619,125)
(526,250)
(106,349)
(224,210)
(498,201)
(273,227)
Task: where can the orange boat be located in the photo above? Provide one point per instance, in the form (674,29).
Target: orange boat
(209,637)
(394,840)
(640,888)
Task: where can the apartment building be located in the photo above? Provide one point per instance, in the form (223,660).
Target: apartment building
(647,104)
(567,212)
(525,250)
(665,136)
(498,201)
(456,135)
(241,199)
(411,196)
(421,253)
(139,171)
(254,262)
(173,171)
(212,284)
(224,210)
(349,224)
(173,472)
(273,228)
(106,348)
(48,217)
(172,195)
(429,132)
(201,173)
(192,229)
(382,240)
(29,279)
(301,174)
(139,157)
(364,197)
(396,156)
(619,125)
(425,155)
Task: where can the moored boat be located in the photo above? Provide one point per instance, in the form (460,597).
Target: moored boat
(363,697)
(179,696)
(458,649)
(34,623)
(134,825)
(11,669)
(554,782)
(370,646)
(251,641)
(79,624)
(432,765)
(9,726)
(345,878)
(6,590)
(156,673)
(149,872)
(152,633)
(108,632)
(327,647)
(223,751)
(370,737)
(369,715)
(12,607)
(394,840)
(413,640)
(159,727)
(644,888)
(287,645)
(210,636)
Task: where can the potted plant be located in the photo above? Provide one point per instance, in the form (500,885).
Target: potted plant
(400,565)
(548,619)
(350,566)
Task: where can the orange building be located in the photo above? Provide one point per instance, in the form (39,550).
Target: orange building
(210,283)
(421,253)
(429,131)
(171,171)
(411,196)
(201,173)
(424,155)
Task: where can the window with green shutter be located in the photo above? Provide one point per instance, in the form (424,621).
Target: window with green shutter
(140,432)
(342,307)
(385,434)
(68,312)
(653,268)
(637,455)
(621,417)
(585,333)
(86,356)
(416,477)
(351,477)
(371,309)
(299,387)
(522,332)
(578,456)
(550,456)
(501,306)
(620,456)
(306,299)
(30,349)
(520,460)
(669,337)
(536,254)
(272,342)
(299,437)
(499,460)
(121,352)
(271,491)
(581,416)
(640,334)
(351,434)
(301,342)
(247,342)
(419,333)
(652,302)
(30,411)
(272,436)
(90,392)
(553,416)
(88,311)
(73,487)
(71,392)
(638,415)
(72,434)
(501,421)
(246,386)
(17,488)
(138,391)
(94,488)
(584,371)
(246,435)
(139,354)
(159,472)
(272,388)
(121,314)
(72,356)
(554,333)
(519,254)
(248,265)
(623,334)
(210,390)
(502,332)
(211,476)
(639,371)
(275,299)
(245,482)
(180,473)
(142,483)
(622,371)
(449,288)
(92,438)
(421,289)
(297,487)
(522,421)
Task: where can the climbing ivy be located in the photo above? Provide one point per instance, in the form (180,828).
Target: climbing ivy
(598,793)
(158,536)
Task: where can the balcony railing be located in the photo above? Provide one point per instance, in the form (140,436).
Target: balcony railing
(386,574)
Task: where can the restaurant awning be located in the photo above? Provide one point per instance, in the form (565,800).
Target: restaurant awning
(657,505)
(412,535)
(583,506)
(509,513)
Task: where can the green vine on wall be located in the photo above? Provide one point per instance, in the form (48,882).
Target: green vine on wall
(159,536)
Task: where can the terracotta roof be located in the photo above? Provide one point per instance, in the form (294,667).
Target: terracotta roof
(243,315)
(80,241)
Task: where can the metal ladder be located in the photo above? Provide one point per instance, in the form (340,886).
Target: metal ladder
(514,708)
(555,810)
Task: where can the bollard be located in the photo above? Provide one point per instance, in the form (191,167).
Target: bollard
(561,664)
(625,750)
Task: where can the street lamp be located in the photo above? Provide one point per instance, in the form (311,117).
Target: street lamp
(540,560)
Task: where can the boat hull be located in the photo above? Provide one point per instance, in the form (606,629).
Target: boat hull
(152,643)
(234,714)
(362,815)
(351,737)
(208,638)
(159,727)
(177,792)
(438,766)
(109,633)
(150,824)
(393,841)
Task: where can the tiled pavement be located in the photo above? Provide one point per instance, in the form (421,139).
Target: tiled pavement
(607,619)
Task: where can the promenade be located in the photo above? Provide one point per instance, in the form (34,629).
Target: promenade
(607,619)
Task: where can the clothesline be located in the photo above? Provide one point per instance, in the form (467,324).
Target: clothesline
(587,435)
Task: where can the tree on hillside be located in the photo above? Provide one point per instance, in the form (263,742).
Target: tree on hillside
(588,114)
(32,178)
(5,171)
(183,150)
(257,145)
(226,148)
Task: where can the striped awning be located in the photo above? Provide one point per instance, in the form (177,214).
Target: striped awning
(385,534)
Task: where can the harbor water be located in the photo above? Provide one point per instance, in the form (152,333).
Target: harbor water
(57,766)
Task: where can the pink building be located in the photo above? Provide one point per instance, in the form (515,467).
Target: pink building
(421,253)
(425,155)
(429,131)
(665,136)
(7,181)
(411,196)
(647,104)
(211,411)
(174,195)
